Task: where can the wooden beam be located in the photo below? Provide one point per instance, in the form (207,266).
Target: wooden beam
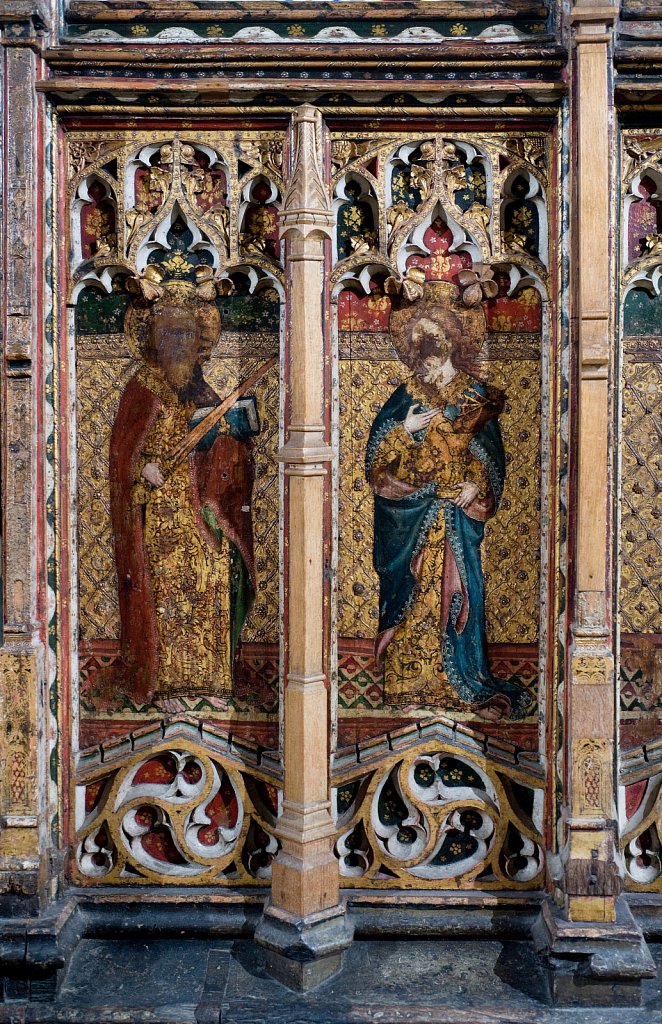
(253,11)
(470,54)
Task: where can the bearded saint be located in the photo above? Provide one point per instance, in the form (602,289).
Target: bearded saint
(436,463)
(182,531)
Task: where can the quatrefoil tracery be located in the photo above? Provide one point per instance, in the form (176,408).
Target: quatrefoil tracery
(442,819)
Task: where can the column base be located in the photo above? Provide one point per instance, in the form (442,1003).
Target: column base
(34,952)
(593,964)
(301,953)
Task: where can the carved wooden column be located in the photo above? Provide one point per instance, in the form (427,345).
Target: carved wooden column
(592,691)
(304,928)
(593,933)
(21,660)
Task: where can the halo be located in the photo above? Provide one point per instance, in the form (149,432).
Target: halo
(439,299)
(136,327)
(140,312)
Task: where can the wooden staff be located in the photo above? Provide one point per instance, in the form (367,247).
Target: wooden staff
(188,443)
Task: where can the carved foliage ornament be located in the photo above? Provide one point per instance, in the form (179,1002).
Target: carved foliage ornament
(307,205)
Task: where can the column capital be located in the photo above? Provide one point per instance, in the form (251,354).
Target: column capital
(307,211)
(20,20)
(586,13)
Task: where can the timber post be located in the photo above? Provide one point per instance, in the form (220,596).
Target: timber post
(595,950)
(304,928)
(24,868)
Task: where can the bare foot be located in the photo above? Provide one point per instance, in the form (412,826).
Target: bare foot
(173,705)
(220,703)
(495,709)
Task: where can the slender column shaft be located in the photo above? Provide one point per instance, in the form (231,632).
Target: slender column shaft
(591,882)
(305,874)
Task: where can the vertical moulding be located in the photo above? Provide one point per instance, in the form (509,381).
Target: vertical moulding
(304,929)
(594,950)
(23,849)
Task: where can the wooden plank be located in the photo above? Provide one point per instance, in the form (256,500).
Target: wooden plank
(213,88)
(253,11)
(640,10)
(433,1014)
(641,30)
(495,56)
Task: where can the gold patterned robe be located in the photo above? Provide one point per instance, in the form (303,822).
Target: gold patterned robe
(174,546)
(440,460)
(190,578)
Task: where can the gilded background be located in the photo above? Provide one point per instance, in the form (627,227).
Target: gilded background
(512,538)
(104,365)
(120,193)
(380,183)
(640,591)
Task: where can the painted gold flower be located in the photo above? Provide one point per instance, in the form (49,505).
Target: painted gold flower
(178,265)
(458,29)
(440,264)
(355,217)
(261,220)
(477,284)
(378,302)
(528,297)
(522,217)
(502,323)
(98,223)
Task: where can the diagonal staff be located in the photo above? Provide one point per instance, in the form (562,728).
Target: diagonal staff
(188,443)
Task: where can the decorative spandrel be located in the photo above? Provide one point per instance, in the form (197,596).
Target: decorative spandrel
(176,289)
(437,812)
(640,539)
(179,810)
(441,278)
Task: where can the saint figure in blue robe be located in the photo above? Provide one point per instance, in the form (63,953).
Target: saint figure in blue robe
(436,464)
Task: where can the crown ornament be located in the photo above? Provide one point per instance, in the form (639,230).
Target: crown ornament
(153,285)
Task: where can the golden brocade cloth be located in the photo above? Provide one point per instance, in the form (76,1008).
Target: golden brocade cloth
(413,667)
(190,578)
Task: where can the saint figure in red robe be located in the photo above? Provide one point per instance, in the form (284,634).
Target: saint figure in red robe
(182,528)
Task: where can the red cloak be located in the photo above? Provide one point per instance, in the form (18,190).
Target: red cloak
(221,477)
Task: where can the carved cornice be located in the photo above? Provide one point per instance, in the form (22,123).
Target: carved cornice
(641,9)
(588,12)
(516,62)
(255,97)
(312,29)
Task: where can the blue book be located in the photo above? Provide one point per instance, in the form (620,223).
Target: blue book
(242,419)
